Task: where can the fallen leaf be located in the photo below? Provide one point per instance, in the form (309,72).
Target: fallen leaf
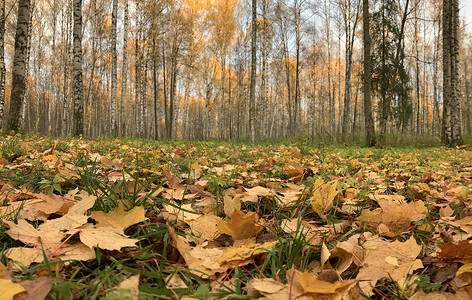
(127,289)
(184,212)
(456,251)
(389,259)
(311,284)
(75,217)
(172,180)
(231,203)
(323,196)
(36,289)
(264,286)
(25,256)
(8,289)
(108,238)
(205,227)
(119,218)
(241,226)
(174,281)
(3,270)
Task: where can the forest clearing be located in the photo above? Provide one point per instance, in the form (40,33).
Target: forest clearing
(227,220)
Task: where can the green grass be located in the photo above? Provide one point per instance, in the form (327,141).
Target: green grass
(155,259)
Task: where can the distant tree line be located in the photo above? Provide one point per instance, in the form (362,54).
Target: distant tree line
(183,69)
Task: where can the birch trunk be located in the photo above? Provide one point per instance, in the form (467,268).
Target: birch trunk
(124,70)
(2,61)
(113,102)
(252,95)
(77,80)
(19,80)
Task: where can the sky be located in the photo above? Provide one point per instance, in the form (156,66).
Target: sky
(466,11)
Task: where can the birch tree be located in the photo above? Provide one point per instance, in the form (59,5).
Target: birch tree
(350,18)
(77,80)
(2,60)
(19,79)
(124,69)
(451,131)
(113,102)
(252,95)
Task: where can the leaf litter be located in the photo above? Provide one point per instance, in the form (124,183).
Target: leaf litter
(214,220)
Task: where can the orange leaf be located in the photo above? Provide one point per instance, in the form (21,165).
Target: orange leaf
(311,284)
(241,226)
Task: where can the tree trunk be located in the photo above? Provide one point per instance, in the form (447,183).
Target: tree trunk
(77,81)
(2,61)
(297,118)
(155,78)
(451,135)
(19,79)
(166,110)
(113,102)
(252,95)
(350,37)
(124,70)
(368,118)
(65,83)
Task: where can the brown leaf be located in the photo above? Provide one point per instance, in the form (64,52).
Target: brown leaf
(172,180)
(456,251)
(36,289)
(241,226)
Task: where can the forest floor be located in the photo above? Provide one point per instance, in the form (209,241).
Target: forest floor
(140,219)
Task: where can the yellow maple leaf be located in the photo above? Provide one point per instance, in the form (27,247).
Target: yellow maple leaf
(241,226)
(105,238)
(8,289)
(119,218)
(323,196)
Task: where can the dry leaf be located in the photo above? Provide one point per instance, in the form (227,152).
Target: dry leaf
(26,256)
(75,218)
(172,180)
(129,288)
(23,231)
(389,259)
(323,197)
(174,281)
(36,289)
(231,203)
(8,289)
(264,286)
(456,251)
(3,270)
(108,238)
(311,284)
(119,218)
(205,227)
(241,226)
(183,212)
